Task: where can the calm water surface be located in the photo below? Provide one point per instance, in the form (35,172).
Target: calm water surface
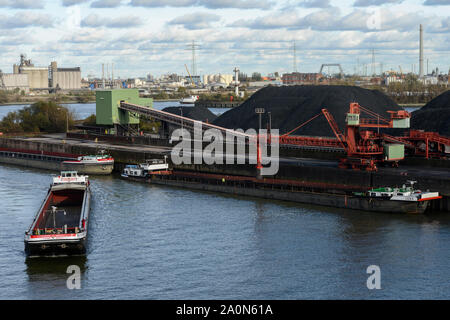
(155,242)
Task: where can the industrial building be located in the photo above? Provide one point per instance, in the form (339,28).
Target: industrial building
(45,78)
(218,78)
(300,78)
(10,81)
(64,78)
(109,115)
(37,76)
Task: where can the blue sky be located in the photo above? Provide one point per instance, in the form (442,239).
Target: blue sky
(153,36)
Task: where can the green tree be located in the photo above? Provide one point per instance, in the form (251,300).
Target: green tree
(39,117)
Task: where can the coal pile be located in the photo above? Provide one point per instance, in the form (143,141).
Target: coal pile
(434,116)
(291,106)
(196,113)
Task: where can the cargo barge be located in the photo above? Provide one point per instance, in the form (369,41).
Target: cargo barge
(390,200)
(100,164)
(61,224)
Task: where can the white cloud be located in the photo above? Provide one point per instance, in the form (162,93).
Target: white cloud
(315,4)
(106,3)
(68,3)
(25,20)
(437,3)
(367,3)
(256,35)
(196,20)
(210,4)
(162,3)
(22,4)
(238,4)
(95,21)
(333,20)
(85,36)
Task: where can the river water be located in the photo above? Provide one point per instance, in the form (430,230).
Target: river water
(84,110)
(157,242)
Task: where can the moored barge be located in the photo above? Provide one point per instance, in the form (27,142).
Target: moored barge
(100,164)
(61,224)
(389,200)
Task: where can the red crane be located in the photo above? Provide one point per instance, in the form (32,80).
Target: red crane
(363,148)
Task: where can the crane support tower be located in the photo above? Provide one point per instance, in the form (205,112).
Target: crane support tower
(341,72)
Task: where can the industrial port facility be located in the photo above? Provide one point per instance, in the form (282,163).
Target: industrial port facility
(219,150)
(359,149)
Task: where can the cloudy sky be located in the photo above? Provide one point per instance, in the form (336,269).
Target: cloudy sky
(153,36)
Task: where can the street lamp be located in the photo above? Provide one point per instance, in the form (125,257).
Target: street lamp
(181,113)
(259,166)
(259,111)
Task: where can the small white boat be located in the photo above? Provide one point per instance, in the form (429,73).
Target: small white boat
(145,170)
(189,100)
(405,199)
(405,193)
(60,226)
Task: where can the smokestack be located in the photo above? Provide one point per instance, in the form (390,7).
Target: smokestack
(103,76)
(421,53)
(236,81)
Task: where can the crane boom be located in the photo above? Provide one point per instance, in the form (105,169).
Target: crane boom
(192,81)
(334,127)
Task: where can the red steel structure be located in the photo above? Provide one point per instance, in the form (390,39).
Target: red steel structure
(363,148)
(366,148)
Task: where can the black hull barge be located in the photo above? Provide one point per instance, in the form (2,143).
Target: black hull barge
(85,164)
(397,200)
(60,226)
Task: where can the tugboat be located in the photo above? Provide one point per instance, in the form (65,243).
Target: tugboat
(100,164)
(143,171)
(405,199)
(60,226)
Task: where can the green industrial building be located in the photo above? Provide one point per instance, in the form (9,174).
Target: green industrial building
(109,114)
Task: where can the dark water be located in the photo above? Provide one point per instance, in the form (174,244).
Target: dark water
(84,110)
(157,242)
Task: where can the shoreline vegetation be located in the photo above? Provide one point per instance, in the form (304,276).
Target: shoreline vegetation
(410,93)
(51,117)
(48,117)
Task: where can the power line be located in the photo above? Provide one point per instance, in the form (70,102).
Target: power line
(193,47)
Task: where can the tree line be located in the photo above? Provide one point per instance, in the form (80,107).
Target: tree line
(39,117)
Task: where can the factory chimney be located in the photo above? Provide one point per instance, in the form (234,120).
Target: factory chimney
(421,53)
(103,76)
(236,81)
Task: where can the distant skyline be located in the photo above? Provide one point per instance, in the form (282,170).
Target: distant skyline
(153,36)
